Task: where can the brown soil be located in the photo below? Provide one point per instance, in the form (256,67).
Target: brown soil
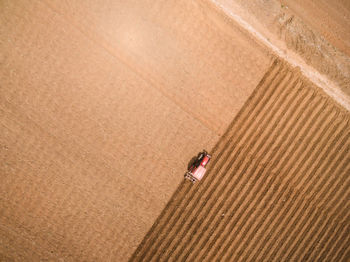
(314,32)
(277,190)
(330,18)
(102,104)
(101,107)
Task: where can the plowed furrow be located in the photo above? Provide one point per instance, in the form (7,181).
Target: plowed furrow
(276,190)
(292,207)
(337,191)
(341,245)
(273,236)
(249,110)
(267,211)
(213,215)
(206,194)
(222,197)
(260,170)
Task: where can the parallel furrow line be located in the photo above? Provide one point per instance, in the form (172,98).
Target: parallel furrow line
(255,109)
(217,177)
(302,211)
(261,129)
(286,215)
(291,212)
(319,231)
(325,229)
(266,212)
(212,218)
(248,174)
(332,239)
(301,124)
(342,242)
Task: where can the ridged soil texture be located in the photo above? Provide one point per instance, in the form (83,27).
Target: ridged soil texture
(277,188)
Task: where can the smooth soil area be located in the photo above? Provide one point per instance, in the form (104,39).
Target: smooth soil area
(101,108)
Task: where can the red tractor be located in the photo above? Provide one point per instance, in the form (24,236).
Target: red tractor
(197,169)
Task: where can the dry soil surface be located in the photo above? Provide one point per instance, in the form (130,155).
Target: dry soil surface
(330,18)
(102,104)
(313,35)
(277,190)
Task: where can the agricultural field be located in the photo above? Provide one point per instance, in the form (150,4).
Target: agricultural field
(104,103)
(278,189)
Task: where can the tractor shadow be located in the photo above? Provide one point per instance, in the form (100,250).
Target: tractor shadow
(193,160)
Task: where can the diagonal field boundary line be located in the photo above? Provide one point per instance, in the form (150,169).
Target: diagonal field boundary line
(281,164)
